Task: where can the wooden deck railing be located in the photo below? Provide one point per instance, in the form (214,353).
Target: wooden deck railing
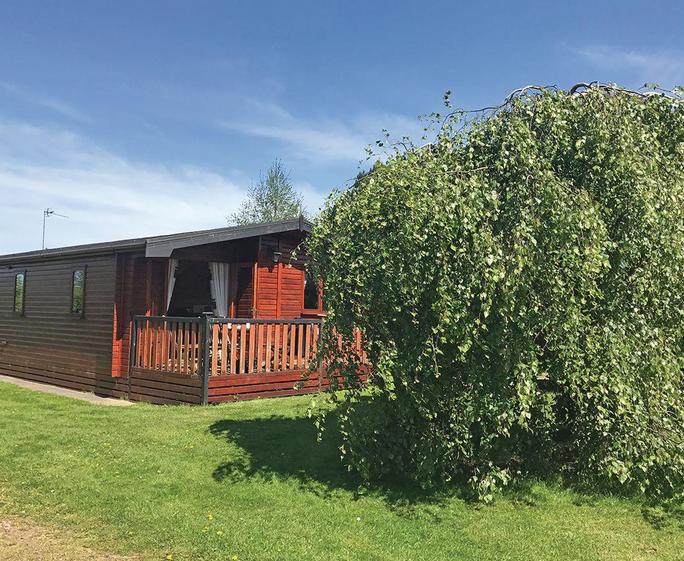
(225,352)
(230,346)
(254,346)
(168,344)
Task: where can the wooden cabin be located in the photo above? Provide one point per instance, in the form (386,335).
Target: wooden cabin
(194,317)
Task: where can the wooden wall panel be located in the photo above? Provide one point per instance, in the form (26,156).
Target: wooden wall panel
(237,387)
(164,388)
(140,285)
(258,386)
(49,343)
(129,300)
(280,286)
(243,290)
(267,278)
(292,291)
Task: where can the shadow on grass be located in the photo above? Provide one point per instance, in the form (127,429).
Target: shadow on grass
(284,448)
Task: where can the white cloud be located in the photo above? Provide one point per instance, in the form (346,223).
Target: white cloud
(662,67)
(105,196)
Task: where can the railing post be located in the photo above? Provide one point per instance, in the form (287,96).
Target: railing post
(319,352)
(206,362)
(132,353)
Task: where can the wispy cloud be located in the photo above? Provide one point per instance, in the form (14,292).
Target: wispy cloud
(662,67)
(52,104)
(331,137)
(329,141)
(325,139)
(104,195)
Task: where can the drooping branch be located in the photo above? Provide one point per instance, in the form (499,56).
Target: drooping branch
(584,86)
(441,123)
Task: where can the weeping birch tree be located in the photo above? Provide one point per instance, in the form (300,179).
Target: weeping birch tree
(519,283)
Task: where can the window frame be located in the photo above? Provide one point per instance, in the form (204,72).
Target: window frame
(80,314)
(22,311)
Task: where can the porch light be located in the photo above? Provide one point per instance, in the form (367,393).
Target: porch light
(277,256)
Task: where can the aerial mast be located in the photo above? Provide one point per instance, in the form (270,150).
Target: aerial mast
(47,213)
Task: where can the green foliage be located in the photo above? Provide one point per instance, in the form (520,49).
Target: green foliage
(272,198)
(520,286)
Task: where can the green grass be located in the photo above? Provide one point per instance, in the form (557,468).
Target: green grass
(248,479)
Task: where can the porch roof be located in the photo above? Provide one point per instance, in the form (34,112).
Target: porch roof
(163,246)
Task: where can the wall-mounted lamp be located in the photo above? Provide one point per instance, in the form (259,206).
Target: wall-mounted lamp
(277,256)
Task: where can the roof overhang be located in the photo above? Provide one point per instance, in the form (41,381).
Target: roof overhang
(163,246)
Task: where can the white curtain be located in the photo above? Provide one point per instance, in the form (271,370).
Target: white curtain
(170,281)
(219,287)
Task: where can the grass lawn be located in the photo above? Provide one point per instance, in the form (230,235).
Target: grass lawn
(248,480)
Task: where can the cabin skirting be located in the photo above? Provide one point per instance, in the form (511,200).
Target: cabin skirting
(100,384)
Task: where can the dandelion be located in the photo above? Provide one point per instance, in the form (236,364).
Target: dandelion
(169,556)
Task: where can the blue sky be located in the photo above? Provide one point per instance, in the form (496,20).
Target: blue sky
(138,118)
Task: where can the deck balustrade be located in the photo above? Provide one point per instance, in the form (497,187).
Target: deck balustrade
(213,359)
(231,346)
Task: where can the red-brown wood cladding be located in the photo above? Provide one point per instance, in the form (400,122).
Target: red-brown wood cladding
(280,286)
(258,386)
(139,290)
(164,388)
(233,388)
(243,290)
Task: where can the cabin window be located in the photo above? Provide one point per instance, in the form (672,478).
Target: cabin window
(19,292)
(311,293)
(78,278)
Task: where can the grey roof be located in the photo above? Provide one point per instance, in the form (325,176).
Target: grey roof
(163,246)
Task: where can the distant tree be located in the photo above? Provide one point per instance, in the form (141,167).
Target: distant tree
(272,198)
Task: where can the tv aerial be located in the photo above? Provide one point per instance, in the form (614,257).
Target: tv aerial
(47,213)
